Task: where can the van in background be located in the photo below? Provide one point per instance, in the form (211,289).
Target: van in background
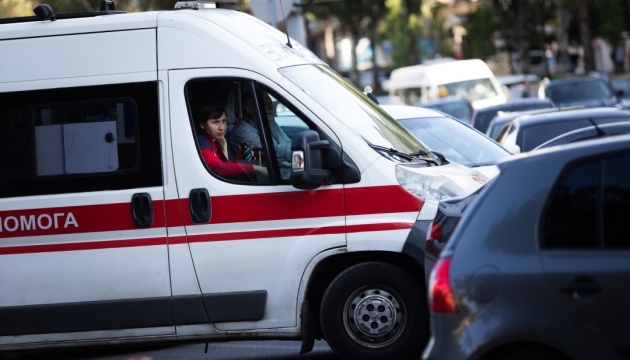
(470,79)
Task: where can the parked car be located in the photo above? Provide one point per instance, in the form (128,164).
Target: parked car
(621,85)
(588,133)
(587,91)
(450,211)
(457,141)
(529,131)
(481,117)
(456,106)
(497,123)
(514,85)
(537,267)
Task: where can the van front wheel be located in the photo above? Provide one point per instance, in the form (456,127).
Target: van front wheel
(375,311)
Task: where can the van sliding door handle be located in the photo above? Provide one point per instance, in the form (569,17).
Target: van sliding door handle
(142,210)
(199,206)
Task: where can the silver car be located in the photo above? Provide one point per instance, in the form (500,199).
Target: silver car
(538,267)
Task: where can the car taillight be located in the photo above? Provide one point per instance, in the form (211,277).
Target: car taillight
(435,233)
(442,300)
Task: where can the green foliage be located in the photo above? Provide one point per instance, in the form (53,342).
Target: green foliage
(480,27)
(15,8)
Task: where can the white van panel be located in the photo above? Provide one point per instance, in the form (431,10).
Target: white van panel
(255,38)
(90,54)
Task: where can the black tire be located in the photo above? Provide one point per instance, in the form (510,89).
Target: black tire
(375,311)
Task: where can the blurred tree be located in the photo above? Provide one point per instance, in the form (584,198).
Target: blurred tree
(481,27)
(15,8)
(357,18)
(402,27)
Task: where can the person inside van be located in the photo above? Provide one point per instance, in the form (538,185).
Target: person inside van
(246,132)
(211,131)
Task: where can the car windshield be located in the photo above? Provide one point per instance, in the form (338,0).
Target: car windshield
(579,91)
(458,142)
(342,99)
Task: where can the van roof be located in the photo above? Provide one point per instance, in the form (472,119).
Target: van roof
(177,39)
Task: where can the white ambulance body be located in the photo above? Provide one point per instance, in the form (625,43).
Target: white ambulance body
(114,230)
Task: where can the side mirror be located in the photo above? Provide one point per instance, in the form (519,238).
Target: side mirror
(307,166)
(513,148)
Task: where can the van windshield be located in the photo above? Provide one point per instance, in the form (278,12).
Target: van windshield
(472,90)
(364,117)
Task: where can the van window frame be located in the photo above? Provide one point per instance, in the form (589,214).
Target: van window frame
(146,168)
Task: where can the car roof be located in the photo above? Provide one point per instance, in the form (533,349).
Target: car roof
(407,111)
(579,149)
(515,104)
(574,114)
(576,79)
(587,133)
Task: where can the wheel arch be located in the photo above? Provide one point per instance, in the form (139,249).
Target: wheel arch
(332,266)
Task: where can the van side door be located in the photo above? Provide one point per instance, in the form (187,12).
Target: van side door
(251,234)
(83,250)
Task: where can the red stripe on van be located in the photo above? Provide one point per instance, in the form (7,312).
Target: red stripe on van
(73,220)
(290,205)
(278,233)
(94,245)
(309,204)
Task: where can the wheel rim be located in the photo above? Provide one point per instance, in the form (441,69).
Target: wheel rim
(374,317)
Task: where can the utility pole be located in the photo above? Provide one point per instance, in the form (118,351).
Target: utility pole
(585,35)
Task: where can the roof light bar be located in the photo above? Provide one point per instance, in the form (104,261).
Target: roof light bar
(205,4)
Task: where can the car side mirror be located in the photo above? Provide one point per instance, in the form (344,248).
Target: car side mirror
(513,148)
(307,166)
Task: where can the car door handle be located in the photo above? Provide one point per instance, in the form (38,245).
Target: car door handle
(199,206)
(142,210)
(582,287)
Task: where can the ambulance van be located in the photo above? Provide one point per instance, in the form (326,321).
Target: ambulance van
(470,79)
(115,230)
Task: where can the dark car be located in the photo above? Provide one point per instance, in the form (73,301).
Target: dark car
(529,131)
(537,267)
(495,125)
(621,85)
(456,106)
(481,117)
(587,91)
(588,133)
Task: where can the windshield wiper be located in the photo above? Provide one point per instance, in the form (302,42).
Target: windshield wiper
(392,151)
(419,155)
(424,155)
(441,156)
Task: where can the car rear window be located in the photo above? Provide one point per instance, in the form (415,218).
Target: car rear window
(537,134)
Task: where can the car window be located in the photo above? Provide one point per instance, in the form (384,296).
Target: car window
(571,216)
(590,206)
(616,202)
(533,136)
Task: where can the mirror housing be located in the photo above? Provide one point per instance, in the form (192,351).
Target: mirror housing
(307,165)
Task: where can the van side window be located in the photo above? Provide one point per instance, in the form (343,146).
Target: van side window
(79,139)
(254,145)
(83,137)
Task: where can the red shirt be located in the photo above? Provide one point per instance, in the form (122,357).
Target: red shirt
(217,162)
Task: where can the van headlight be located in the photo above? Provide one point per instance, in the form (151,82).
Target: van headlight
(428,187)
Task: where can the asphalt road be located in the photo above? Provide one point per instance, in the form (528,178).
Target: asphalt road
(233,350)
